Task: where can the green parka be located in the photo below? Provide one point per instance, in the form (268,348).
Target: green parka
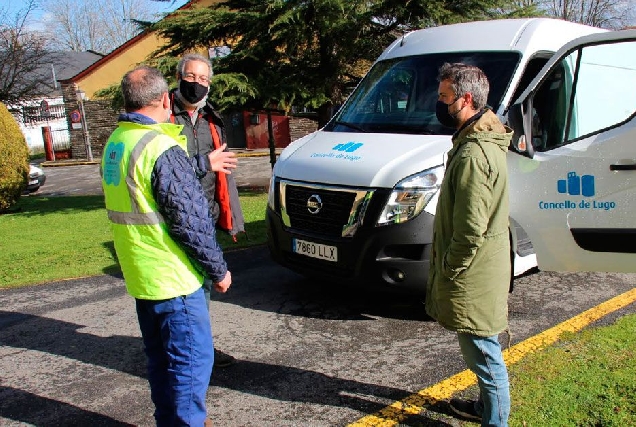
(469,276)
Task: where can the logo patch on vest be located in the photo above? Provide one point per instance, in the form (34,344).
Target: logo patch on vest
(112,159)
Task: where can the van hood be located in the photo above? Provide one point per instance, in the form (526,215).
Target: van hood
(359,159)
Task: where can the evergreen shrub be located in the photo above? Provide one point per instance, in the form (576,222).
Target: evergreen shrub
(14,160)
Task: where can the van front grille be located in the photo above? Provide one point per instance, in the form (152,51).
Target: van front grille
(329,220)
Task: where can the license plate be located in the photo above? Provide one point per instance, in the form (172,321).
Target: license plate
(315,250)
(33,182)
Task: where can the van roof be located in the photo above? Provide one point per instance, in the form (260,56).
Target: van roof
(524,35)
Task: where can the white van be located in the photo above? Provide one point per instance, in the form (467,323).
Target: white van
(354,202)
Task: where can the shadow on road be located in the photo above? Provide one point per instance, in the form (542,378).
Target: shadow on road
(21,406)
(120,353)
(125,354)
(253,288)
(298,385)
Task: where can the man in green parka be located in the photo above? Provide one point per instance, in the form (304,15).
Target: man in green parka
(469,277)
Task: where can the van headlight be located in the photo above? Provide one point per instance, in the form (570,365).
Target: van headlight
(411,195)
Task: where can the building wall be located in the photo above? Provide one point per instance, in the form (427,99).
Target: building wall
(111,72)
(256,129)
(33,134)
(31,118)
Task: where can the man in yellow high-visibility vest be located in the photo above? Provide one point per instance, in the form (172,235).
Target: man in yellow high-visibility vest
(166,244)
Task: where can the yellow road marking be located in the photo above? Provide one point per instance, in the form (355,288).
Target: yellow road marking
(413,404)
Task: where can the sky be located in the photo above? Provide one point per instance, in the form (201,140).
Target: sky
(11,7)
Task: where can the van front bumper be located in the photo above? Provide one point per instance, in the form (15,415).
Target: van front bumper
(393,257)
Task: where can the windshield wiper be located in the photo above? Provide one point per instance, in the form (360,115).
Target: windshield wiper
(351,125)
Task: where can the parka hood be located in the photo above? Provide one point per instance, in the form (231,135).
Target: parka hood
(488,125)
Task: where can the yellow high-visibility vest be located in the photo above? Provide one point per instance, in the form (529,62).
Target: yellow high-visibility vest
(154,265)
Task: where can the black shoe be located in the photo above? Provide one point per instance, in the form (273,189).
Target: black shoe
(223,360)
(465,408)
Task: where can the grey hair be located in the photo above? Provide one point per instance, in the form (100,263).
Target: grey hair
(465,79)
(141,87)
(193,57)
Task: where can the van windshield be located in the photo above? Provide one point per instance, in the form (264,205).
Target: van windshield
(399,95)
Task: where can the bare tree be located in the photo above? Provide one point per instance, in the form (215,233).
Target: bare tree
(21,54)
(100,25)
(610,14)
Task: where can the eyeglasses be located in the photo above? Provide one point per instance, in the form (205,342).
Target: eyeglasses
(191,77)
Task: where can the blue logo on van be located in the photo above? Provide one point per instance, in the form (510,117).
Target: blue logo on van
(348,147)
(341,152)
(576,185)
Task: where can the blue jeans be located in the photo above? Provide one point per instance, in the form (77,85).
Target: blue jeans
(178,344)
(483,357)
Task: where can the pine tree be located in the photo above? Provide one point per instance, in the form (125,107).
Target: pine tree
(307,53)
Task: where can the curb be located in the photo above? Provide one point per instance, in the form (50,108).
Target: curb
(53,164)
(86,162)
(253,188)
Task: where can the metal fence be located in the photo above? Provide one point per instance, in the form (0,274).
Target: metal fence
(38,114)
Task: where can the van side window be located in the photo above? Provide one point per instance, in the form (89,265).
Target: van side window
(604,89)
(587,92)
(550,108)
(532,69)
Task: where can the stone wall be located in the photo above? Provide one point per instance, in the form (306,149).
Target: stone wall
(300,126)
(102,121)
(100,118)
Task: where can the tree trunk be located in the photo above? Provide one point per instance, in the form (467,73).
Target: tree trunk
(324,114)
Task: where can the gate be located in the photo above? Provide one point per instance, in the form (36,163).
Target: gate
(61,139)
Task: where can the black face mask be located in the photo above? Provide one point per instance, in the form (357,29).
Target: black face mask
(192,92)
(445,118)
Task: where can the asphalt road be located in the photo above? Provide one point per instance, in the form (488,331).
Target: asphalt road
(310,354)
(253,172)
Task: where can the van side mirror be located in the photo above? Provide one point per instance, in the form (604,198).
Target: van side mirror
(521,123)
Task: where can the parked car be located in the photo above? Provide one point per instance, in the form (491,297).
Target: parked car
(37,177)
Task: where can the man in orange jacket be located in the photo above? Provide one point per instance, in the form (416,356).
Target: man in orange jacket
(204,129)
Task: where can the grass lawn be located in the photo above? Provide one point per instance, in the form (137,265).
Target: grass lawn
(55,238)
(586,378)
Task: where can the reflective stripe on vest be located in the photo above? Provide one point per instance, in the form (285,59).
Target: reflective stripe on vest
(135,217)
(125,218)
